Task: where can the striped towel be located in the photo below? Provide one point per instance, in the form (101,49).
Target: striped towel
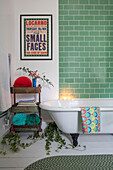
(90,119)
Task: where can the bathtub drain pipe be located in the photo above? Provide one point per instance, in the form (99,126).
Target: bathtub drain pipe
(75,138)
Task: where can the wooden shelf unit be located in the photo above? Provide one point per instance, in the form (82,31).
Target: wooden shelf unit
(27,109)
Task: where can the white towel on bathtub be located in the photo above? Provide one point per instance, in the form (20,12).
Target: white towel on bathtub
(5,97)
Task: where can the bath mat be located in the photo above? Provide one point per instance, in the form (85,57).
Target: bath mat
(73,163)
(90,119)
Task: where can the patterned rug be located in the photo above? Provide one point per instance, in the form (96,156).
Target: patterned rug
(97,162)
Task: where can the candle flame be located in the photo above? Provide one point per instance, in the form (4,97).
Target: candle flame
(65,97)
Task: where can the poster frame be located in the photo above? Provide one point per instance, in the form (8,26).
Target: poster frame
(23,40)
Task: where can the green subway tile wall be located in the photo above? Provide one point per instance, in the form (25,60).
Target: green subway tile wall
(86,48)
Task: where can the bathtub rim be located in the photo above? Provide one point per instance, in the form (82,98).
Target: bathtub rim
(44,106)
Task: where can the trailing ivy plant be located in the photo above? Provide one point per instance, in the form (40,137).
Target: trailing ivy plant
(13,140)
(50,134)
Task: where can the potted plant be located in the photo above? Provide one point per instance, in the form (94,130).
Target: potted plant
(35,75)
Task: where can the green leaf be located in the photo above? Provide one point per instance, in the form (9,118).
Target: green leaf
(47,153)
(66,147)
(3,141)
(4,153)
(29,137)
(19,68)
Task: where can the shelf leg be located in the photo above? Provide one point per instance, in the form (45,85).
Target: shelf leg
(36,133)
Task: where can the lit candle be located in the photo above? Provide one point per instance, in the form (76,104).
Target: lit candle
(69,98)
(65,97)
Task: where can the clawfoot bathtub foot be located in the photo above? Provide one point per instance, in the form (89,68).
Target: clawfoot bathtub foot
(75,138)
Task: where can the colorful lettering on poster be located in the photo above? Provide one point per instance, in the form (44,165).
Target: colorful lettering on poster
(36,37)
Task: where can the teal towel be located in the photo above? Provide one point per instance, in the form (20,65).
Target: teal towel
(19,119)
(33,119)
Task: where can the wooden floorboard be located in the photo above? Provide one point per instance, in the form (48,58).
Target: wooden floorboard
(95,144)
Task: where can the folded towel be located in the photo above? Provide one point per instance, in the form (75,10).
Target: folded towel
(33,119)
(27,102)
(90,119)
(19,119)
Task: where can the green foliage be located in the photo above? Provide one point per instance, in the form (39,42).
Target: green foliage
(50,134)
(53,134)
(33,137)
(13,140)
(3,153)
(84,146)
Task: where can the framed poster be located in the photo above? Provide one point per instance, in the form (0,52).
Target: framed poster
(36,37)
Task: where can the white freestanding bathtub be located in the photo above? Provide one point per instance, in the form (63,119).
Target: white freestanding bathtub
(67,114)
